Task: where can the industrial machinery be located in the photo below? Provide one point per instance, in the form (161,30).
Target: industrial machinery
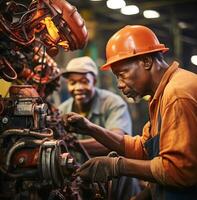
(37,154)
(50,23)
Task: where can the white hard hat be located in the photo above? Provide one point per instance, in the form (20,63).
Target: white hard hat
(81,65)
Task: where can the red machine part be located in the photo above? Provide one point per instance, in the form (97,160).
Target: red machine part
(77,36)
(26,158)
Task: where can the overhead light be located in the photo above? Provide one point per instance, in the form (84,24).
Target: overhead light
(130,10)
(151,14)
(115,4)
(182,25)
(194,59)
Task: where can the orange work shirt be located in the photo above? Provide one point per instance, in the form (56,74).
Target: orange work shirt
(176,96)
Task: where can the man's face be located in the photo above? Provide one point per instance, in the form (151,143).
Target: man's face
(133,79)
(81,86)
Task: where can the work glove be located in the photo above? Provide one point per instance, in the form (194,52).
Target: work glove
(100,169)
(74,122)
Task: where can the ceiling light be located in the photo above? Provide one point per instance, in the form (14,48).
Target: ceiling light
(194,59)
(151,14)
(182,25)
(115,4)
(130,10)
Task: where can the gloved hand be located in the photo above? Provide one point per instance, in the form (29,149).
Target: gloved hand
(74,122)
(100,169)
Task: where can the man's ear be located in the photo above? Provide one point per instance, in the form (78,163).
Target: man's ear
(148,62)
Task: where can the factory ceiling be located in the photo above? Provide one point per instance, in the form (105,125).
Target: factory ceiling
(176,26)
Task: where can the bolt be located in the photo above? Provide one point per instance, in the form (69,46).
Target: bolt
(21,160)
(5,120)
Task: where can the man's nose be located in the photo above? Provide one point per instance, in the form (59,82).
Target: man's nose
(78,86)
(121,84)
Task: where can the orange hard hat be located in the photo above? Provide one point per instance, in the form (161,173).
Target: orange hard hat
(130,41)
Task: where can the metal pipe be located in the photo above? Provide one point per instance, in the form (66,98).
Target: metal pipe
(27,132)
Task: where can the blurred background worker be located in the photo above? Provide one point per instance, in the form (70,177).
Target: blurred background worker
(101,107)
(166,153)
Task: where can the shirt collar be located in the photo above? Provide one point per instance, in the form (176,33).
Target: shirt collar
(167,75)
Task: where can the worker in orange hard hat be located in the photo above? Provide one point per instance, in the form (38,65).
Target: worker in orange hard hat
(166,153)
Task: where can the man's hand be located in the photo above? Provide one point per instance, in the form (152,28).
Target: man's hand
(100,169)
(74,122)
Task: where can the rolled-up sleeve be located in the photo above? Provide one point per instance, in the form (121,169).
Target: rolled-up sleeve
(134,147)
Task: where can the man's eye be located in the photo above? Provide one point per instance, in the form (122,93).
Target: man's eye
(71,82)
(121,75)
(84,81)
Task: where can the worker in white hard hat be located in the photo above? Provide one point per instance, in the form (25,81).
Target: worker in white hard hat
(101,107)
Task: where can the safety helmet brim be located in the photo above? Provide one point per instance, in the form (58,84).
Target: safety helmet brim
(117,58)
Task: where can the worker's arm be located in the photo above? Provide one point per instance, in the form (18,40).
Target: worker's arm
(95,148)
(103,168)
(136,168)
(76,123)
